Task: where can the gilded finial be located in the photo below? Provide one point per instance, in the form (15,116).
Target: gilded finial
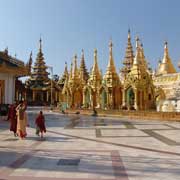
(110,43)
(129,33)
(40,44)
(137,41)
(110,47)
(165,44)
(165,49)
(95,52)
(75,56)
(65,65)
(6,50)
(82,56)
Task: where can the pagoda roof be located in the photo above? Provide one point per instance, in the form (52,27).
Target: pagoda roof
(9,64)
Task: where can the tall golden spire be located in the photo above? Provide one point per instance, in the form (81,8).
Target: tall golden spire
(136,67)
(166,66)
(70,73)
(95,68)
(128,60)
(29,63)
(166,53)
(143,60)
(111,75)
(63,78)
(95,75)
(138,53)
(83,71)
(111,66)
(75,69)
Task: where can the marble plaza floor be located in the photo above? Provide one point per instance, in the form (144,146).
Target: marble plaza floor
(81,147)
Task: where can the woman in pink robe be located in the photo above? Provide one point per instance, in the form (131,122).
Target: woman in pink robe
(21,120)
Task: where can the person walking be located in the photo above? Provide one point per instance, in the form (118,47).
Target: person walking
(21,120)
(40,124)
(12,117)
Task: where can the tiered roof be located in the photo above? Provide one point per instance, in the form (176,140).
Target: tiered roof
(128,60)
(39,76)
(83,71)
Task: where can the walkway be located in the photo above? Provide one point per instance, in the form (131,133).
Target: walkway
(80,147)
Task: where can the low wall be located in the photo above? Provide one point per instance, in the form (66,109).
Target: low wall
(174,116)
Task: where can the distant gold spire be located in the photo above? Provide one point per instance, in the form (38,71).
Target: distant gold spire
(166,66)
(71,69)
(136,69)
(75,74)
(63,78)
(95,68)
(166,53)
(66,69)
(137,56)
(30,59)
(143,61)
(111,75)
(111,66)
(95,75)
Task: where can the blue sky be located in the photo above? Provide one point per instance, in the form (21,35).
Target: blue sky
(67,26)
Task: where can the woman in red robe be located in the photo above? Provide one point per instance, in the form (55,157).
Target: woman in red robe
(40,124)
(13,118)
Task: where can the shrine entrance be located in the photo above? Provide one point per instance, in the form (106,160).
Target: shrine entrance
(77,99)
(130,97)
(103,99)
(87,102)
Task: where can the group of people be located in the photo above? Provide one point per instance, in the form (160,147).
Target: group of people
(19,121)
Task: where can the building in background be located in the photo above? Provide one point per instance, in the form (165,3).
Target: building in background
(10,69)
(133,89)
(136,87)
(167,83)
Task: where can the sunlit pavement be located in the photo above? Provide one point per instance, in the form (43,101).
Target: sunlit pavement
(86,147)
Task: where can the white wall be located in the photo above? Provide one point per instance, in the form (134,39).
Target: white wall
(168,106)
(9,87)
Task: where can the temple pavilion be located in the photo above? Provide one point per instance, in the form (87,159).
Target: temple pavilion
(135,87)
(40,88)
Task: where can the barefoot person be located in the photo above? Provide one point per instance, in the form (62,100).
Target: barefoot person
(40,124)
(21,120)
(13,118)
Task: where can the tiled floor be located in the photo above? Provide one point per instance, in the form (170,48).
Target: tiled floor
(90,148)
